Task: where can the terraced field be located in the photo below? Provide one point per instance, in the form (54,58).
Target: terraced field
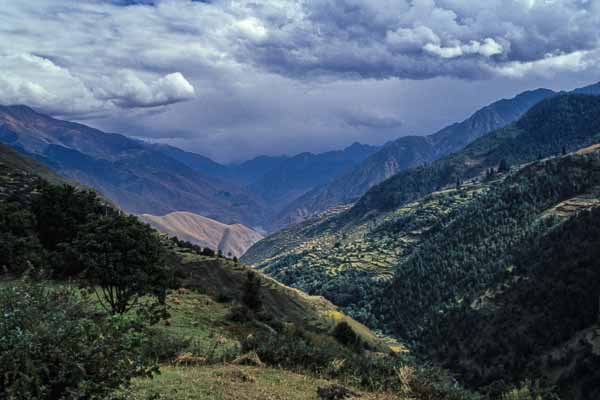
(349,265)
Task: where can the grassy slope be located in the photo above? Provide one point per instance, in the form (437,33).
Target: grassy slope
(203,325)
(204,321)
(224,278)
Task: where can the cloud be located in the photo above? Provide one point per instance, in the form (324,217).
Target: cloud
(38,82)
(551,64)
(406,39)
(489,47)
(371,119)
(167,47)
(127,90)
(240,75)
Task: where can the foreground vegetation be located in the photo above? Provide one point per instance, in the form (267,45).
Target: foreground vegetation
(94,304)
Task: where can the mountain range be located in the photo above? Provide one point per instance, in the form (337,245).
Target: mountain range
(266,193)
(158,179)
(410,151)
(485,260)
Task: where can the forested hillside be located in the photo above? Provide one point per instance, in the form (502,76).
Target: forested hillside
(542,322)
(466,242)
(556,125)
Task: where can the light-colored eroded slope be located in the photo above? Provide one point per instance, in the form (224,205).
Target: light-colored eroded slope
(206,232)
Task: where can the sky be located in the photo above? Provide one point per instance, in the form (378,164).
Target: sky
(234,79)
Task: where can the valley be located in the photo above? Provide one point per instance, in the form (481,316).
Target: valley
(300,200)
(439,248)
(500,235)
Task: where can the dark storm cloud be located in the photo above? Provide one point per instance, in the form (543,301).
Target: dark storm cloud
(422,39)
(234,78)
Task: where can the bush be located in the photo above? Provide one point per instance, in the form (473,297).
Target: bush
(323,356)
(53,346)
(162,346)
(251,296)
(344,334)
(240,314)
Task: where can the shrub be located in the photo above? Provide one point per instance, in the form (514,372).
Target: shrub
(240,314)
(53,346)
(322,355)
(334,392)
(251,297)
(162,346)
(344,334)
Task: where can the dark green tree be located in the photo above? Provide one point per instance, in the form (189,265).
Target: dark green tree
(125,259)
(19,247)
(60,210)
(251,297)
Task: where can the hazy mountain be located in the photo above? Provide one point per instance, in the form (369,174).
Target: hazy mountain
(158,179)
(197,162)
(252,170)
(232,240)
(406,152)
(296,175)
(278,179)
(560,123)
(135,175)
(411,151)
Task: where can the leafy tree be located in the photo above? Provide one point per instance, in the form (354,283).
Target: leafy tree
(125,259)
(208,252)
(251,296)
(19,247)
(60,210)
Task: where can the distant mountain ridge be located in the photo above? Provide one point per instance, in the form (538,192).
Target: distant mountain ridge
(296,175)
(410,151)
(134,174)
(266,193)
(158,179)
